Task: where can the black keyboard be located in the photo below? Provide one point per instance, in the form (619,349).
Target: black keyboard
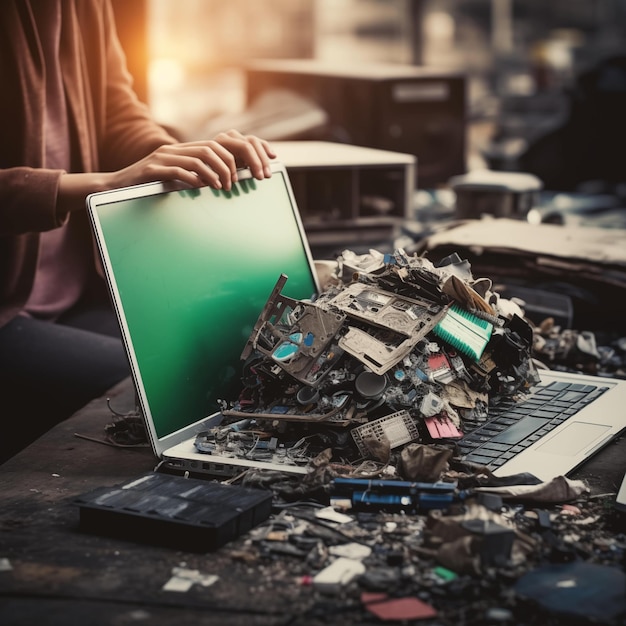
(513,426)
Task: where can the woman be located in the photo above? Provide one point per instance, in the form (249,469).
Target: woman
(70,125)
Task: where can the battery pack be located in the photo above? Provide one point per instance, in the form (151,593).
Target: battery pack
(172,511)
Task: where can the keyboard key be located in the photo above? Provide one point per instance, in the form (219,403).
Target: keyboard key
(506,421)
(499,447)
(486,452)
(581,388)
(547,413)
(571,396)
(479,459)
(520,431)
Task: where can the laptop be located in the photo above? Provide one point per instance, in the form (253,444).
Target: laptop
(563,421)
(188,271)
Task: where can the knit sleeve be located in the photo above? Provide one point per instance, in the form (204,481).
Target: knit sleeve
(28,200)
(131,132)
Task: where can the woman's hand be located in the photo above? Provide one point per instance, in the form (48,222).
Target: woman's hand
(213,162)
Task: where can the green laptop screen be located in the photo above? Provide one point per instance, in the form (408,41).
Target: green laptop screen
(190,273)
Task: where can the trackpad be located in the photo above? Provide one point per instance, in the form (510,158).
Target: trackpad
(574,438)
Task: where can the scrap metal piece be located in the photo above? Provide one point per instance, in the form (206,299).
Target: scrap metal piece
(378,351)
(407,316)
(395,324)
(296,335)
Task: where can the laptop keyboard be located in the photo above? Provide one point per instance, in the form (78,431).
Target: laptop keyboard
(514,426)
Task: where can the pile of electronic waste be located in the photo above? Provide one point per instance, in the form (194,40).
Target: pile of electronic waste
(394,351)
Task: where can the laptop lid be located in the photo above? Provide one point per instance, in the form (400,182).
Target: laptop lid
(189,271)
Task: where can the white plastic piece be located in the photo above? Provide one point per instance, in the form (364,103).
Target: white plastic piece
(431,405)
(356,551)
(329,514)
(338,574)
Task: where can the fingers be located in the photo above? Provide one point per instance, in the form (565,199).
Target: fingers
(249,151)
(214,162)
(211,162)
(190,169)
(193,165)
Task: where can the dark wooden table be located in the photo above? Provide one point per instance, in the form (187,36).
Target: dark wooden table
(60,575)
(53,573)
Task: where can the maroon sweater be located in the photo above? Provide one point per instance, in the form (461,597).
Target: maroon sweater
(109,127)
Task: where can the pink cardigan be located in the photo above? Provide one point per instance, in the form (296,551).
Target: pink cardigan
(111,128)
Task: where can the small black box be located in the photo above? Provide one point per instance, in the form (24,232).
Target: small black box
(172,511)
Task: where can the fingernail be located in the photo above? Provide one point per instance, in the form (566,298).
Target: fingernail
(268,171)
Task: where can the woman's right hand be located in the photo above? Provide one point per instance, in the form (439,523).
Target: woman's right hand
(212,162)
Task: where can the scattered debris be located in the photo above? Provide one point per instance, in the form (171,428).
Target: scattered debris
(392,364)
(371,387)
(126,430)
(5,565)
(371,391)
(571,350)
(183,579)
(339,573)
(397,609)
(577,590)
(466,565)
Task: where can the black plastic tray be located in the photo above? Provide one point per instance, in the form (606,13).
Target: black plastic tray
(173,511)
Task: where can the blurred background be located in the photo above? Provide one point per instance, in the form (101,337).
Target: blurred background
(399,119)
(463,85)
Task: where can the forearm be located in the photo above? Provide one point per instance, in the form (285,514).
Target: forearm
(74,188)
(36,199)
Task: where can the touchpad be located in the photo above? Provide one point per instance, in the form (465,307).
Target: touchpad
(574,438)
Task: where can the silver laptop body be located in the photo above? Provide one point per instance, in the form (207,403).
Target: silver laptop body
(562,423)
(189,270)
